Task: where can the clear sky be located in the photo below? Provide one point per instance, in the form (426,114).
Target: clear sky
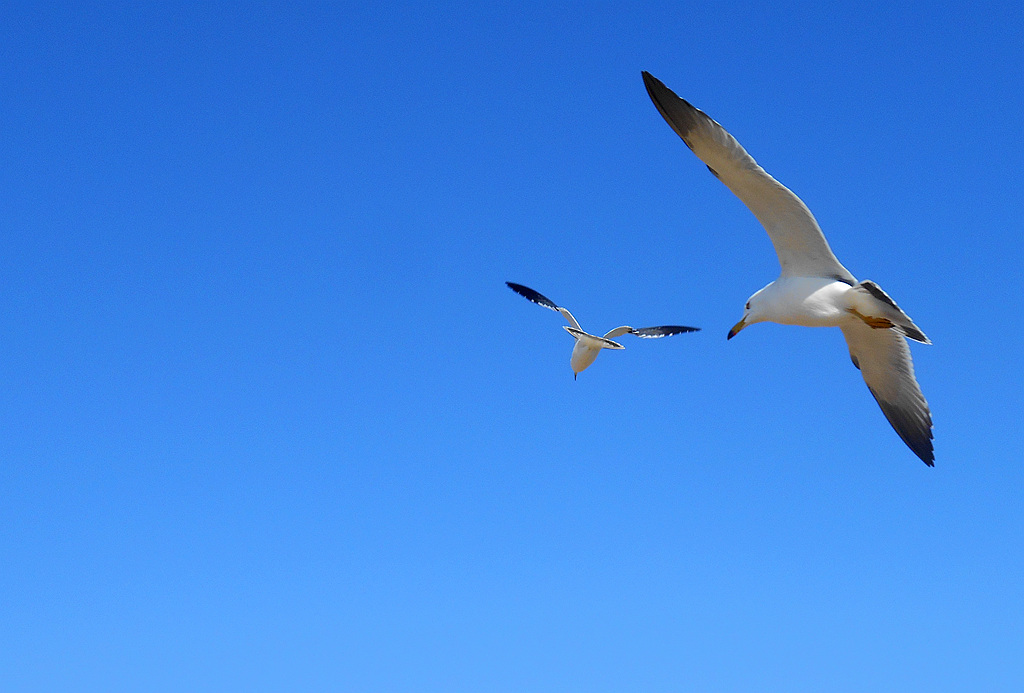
(272,420)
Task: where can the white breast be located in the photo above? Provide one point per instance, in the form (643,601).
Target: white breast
(808,301)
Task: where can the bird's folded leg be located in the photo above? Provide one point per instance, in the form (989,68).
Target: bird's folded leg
(873,321)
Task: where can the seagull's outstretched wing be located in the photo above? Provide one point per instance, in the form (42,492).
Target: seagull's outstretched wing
(883,357)
(593,339)
(650,332)
(542,300)
(799,243)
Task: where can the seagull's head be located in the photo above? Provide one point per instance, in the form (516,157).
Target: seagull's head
(755,311)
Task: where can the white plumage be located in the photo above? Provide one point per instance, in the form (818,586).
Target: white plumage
(813,288)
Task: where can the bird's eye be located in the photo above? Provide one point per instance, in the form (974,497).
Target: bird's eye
(748,305)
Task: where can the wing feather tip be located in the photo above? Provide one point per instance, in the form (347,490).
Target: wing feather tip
(915,431)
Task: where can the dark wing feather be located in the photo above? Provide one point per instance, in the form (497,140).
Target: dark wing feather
(531,295)
(662,331)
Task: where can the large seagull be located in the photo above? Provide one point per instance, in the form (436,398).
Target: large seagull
(587,345)
(814,289)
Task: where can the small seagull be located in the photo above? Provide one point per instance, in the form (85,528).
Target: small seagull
(813,289)
(588,345)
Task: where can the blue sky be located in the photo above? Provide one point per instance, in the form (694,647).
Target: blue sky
(272,421)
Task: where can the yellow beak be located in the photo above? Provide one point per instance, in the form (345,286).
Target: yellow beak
(736,328)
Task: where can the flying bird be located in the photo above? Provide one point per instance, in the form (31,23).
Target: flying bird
(588,345)
(813,289)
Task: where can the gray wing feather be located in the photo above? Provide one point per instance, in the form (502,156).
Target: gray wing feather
(568,316)
(798,240)
(618,332)
(883,357)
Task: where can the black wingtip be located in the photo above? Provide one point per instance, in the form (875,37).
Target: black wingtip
(920,442)
(657,88)
(680,329)
(914,432)
(533,296)
(524,291)
(650,80)
(662,330)
(927,452)
(679,113)
(653,84)
(922,448)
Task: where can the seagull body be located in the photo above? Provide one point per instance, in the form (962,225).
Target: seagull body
(587,345)
(813,288)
